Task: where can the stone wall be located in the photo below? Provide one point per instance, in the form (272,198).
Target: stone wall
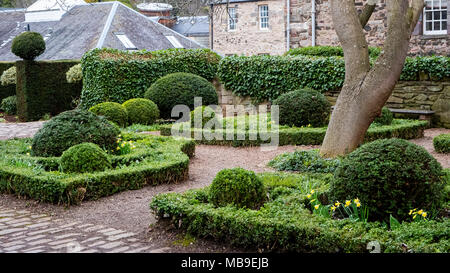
(249,40)
(422,95)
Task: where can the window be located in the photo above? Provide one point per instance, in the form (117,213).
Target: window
(174,41)
(435,17)
(126,42)
(264,17)
(232,18)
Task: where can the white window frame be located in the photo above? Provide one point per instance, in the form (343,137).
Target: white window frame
(232,26)
(436,6)
(263,11)
(125,41)
(174,41)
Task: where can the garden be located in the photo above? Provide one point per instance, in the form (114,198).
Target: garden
(117,134)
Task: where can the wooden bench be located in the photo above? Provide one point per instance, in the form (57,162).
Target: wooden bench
(423,114)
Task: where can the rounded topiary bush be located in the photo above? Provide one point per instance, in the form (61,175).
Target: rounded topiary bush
(389,176)
(303,107)
(386,117)
(180,88)
(71,128)
(238,187)
(142,111)
(441,143)
(74,74)
(112,111)
(84,158)
(9,105)
(204,114)
(8,76)
(28,45)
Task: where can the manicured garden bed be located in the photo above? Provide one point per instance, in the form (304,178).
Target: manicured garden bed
(286,222)
(155,160)
(405,129)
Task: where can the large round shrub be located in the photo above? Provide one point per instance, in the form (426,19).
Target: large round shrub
(71,128)
(385,118)
(142,111)
(441,143)
(303,107)
(28,45)
(390,176)
(112,111)
(9,105)
(84,158)
(180,88)
(205,114)
(238,187)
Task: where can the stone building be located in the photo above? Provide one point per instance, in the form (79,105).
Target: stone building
(252,27)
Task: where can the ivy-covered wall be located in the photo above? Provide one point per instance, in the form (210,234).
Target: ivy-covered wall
(9,90)
(42,88)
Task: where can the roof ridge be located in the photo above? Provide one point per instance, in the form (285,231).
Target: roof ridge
(108,23)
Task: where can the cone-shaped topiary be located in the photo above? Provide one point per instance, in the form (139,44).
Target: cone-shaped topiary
(84,158)
(237,187)
(204,114)
(28,45)
(180,88)
(141,111)
(303,107)
(71,128)
(389,176)
(385,118)
(112,111)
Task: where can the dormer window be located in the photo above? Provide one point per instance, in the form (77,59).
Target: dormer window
(125,41)
(174,41)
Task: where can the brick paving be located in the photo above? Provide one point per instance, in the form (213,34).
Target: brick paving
(26,232)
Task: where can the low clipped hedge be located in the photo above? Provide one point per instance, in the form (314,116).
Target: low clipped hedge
(441,143)
(158,160)
(327,51)
(286,224)
(114,75)
(405,129)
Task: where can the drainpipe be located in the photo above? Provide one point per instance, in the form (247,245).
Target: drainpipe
(211,27)
(313,22)
(288,25)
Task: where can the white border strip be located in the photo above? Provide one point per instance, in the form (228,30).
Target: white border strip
(108,23)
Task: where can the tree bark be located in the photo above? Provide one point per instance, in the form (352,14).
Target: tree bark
(366,90)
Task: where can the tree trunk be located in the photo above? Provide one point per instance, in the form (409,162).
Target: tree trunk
(366,90)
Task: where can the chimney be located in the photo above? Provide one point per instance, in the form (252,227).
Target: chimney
(162,11)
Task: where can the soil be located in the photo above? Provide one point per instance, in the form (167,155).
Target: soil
(8,118)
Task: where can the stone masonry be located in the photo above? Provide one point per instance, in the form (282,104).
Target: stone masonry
(248,39)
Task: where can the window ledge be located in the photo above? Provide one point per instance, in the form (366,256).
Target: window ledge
(434,36)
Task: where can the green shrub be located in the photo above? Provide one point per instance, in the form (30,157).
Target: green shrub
(71,128)
(386,117)
(267,77)
(114,75)
(84,158)
(8,76)
(9,105)
(441,143)
(28,45)
(112,111)
(180,88)
(304,161)
(302,108)
(74,74)
(327,51)
(237,187)
(206,113)
(390,176)
(6,90)
(141,111)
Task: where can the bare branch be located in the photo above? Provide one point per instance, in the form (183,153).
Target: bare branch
(367,11)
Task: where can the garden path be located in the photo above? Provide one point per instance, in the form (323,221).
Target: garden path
(122,222)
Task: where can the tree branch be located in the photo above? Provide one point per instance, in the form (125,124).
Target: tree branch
(367,11)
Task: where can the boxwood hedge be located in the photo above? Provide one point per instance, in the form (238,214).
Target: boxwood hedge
(286,224)
(117,76)
(156,160)
(441,143)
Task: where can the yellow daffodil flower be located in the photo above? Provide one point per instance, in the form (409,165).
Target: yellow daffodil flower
(424,215)
(316,206)
(347,203)
(333,208)
(414,217)
(420,212)
(312,191)
(312,200)
(308,196)
(337,204)
(358,205)
(356,200)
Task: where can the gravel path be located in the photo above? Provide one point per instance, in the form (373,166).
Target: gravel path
(128,212)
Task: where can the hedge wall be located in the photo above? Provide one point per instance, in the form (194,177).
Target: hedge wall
(9,90)
(266,77)
(114,75)
(42,88)
(327,51)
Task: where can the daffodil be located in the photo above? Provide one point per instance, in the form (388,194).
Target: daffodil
(118,148)
(312,191)
(347,203)
(333,208)
(308,196)
(420,212)
(414,217)
(337,204)
(356,200)
(412,211)
(358,205)
(316,206)
(312,200)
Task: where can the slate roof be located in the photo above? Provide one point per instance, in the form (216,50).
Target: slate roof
(192,26)
(85,27)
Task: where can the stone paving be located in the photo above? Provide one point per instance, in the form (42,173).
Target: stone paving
(26,232)
(19,130)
